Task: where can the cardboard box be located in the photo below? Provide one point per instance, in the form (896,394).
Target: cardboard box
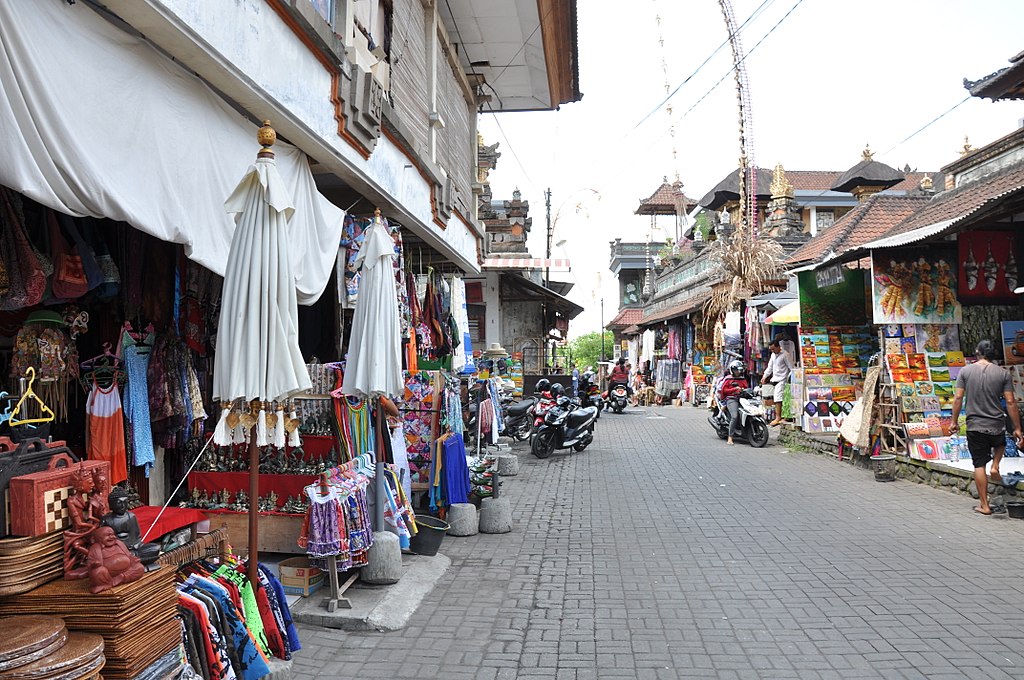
(299,577)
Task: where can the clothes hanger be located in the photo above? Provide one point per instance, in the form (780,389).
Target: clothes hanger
(105,360)
(48,415)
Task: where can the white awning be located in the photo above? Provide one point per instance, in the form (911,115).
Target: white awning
(97,122)
(555,265)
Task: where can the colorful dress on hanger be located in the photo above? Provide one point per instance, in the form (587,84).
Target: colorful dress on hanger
(136,407)
(104,430)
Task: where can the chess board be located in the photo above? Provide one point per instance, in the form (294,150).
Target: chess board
(39,501)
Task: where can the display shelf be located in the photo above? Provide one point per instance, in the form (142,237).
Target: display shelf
(278,532)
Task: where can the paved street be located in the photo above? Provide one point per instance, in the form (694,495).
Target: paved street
(661,552)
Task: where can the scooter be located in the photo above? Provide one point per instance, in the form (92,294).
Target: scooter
(519,419)
(566,425)
(618,398)
(592,396)
(753,426)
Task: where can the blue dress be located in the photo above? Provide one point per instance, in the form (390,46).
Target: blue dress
(136,406)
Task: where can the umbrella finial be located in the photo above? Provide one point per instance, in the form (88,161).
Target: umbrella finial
(266,137)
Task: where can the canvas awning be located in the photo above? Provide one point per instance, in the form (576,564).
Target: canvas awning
(99,123)
(787,314)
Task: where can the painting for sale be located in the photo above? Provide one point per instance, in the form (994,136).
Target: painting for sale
(915,285)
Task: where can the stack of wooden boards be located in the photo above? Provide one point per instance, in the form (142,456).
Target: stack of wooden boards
(137,620)
(26,563)
(41,648)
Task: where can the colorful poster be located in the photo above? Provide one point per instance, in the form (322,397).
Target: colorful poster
(988,266)
(1012,333)
(915,286)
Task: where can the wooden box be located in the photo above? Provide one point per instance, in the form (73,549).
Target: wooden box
(32,455)
(39,501)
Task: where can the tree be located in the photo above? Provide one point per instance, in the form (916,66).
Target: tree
(586,349)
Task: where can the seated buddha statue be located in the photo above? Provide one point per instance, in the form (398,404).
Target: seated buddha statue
(126,527)
(109,562)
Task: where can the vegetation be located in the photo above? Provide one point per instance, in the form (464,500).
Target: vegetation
(586,349)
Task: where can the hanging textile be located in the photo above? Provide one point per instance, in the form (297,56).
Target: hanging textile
(463,353)
(104,430)
(135,354)
(449,473)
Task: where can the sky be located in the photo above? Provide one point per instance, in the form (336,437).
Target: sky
(826,77)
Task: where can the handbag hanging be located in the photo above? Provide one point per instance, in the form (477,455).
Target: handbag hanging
(27,281)
(69,279)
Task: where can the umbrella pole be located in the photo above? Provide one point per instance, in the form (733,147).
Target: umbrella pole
(378,509)
(254,515)
(479,400)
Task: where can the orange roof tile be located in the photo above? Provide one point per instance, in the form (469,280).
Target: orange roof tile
(962,201)
(626,317)
(869,220)
(663,200)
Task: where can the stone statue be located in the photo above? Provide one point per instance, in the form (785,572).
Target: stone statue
(126,527)
(83,523)
(110,564)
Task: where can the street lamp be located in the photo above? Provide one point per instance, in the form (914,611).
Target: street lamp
(602,330)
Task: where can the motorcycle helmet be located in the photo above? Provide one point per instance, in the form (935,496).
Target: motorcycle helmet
(557,390)
(736,368)
(543,385)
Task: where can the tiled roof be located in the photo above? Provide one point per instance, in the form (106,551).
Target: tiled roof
(1006,83)
(663,201)
(962,201)
(812,180)
(873,218)
(912,181)
(626,317)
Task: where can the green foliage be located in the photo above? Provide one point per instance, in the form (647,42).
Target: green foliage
(703,224)
(586,349)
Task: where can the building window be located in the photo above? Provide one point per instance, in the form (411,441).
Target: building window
(824,220)
(324,8)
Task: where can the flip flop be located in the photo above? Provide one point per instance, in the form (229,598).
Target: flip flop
(977,509)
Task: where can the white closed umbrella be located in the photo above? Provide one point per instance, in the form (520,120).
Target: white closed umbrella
(373,367)
(258,353)
(374,364)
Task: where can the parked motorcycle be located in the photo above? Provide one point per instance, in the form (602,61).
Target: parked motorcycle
(618,398)
(590,393)
(519,419)
(753,426)
(565,425)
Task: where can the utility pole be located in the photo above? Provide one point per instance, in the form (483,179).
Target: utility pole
(602,329)
(547,251)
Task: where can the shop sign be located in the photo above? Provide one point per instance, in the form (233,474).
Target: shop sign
(829,276)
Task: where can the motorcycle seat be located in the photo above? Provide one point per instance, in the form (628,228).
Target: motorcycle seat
(520,408)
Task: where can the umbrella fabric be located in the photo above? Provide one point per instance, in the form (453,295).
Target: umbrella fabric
(789,313)
(374,364)
(258,353)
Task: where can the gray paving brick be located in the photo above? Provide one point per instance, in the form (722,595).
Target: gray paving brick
(660,552)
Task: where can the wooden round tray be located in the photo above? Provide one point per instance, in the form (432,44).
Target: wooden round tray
(26,635)
(78,657)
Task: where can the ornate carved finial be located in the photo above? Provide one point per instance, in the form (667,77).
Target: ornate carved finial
(867,154)
(266,136)
(781,187)
(967,147)
(926,184)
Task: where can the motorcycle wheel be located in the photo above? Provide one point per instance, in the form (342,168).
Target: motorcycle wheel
(618,407)
(758,434)
(543,444)
(579,447)
(722,433)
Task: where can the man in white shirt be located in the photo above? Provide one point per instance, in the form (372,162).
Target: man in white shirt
(777,376)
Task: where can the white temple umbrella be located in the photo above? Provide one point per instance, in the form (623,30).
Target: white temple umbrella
(373,366)
(258,355)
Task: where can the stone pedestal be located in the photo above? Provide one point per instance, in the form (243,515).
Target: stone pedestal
(495,516)
(463,520)
(384,560)
(508,465)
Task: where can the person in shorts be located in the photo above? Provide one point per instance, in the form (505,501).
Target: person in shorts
(777,376)
(984,387)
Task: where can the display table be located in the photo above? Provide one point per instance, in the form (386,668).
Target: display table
(170,520)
